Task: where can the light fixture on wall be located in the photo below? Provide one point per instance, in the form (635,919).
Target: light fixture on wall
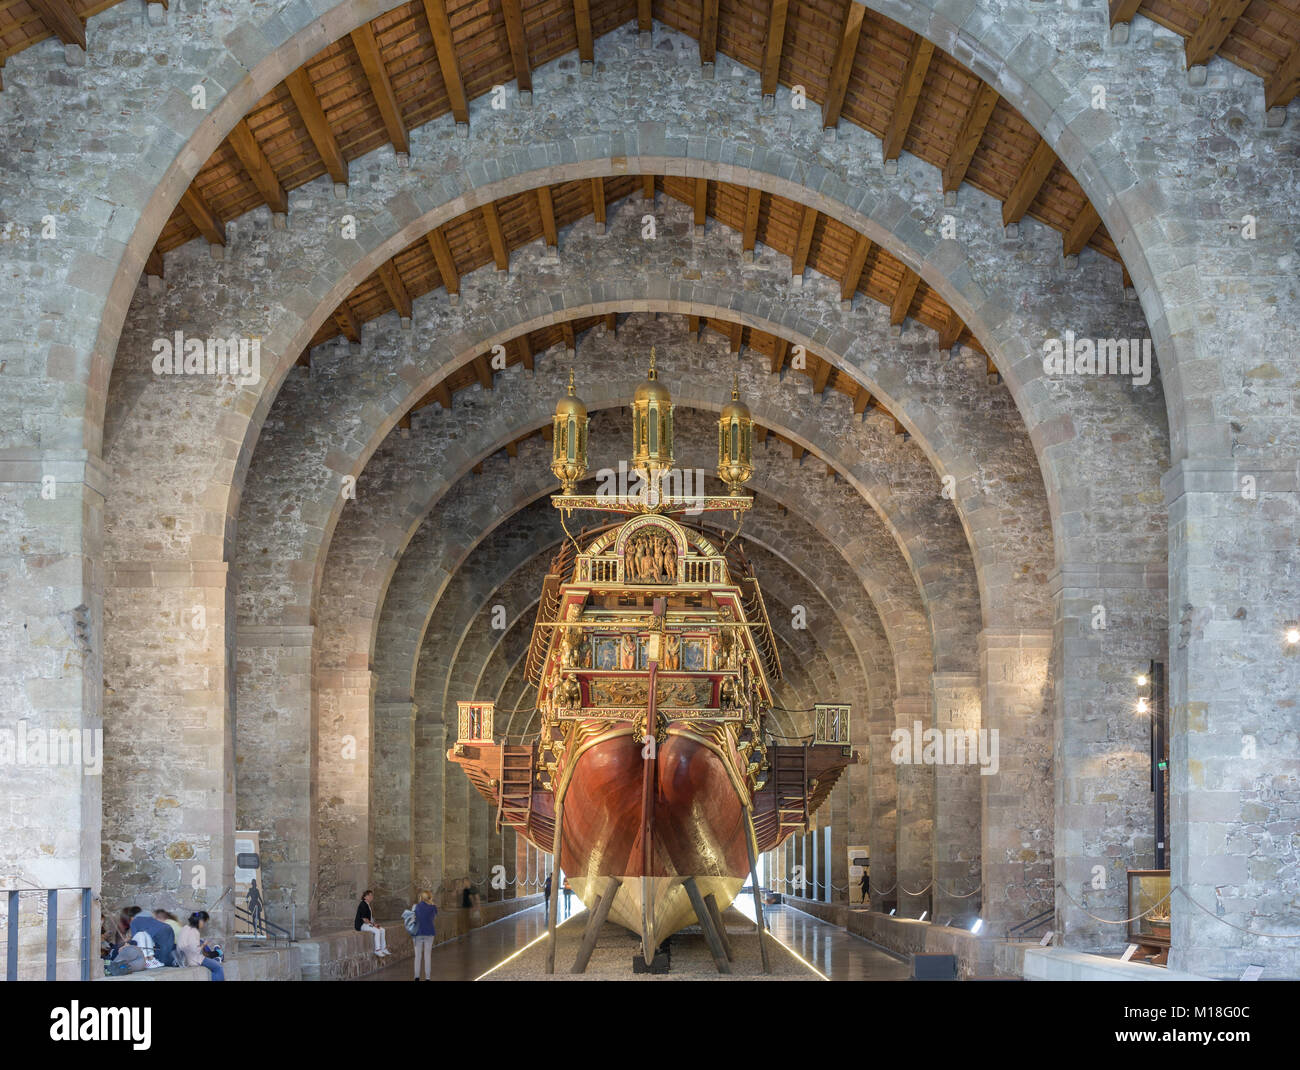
(1142,680)
(1292,632)
(1143,706)
(924,914)
(979,924)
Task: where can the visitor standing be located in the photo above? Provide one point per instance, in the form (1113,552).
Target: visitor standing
(425,912)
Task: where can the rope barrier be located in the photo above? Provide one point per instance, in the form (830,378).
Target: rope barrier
(1186,895)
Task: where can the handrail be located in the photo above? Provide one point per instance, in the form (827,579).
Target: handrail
(51,931)
(1032,923)
(269,927)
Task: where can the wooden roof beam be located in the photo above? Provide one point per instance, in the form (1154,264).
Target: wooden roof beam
(1123,10)
(347,322)
(779,350)
(196,208)
(546,206)
(61,20)
(512,448)
(644,16)
(898,308)
(153,264)
(761,431)
(853,269)
(749,237)
(708,31)
(1213,30)
(483,370)
(648,188)
(307,102)
(443,395)
(1285,81)
(525,342)
(797,452)
(775,41)
(918,63)
(570,339)
(586,43)
(258,167)
(435,12)
(445,261)
(598,203)
(372,63)
(701,205)
(693,325)
(513,11)
(845,52)
(969,137)
(500,254)
(822,376)
(395,288)
(1030,181)
(799,257)
(1081,230)
(951,330)
(863,401)
(735,333)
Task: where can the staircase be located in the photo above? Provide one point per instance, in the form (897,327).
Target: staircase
(515,802)
(790,781)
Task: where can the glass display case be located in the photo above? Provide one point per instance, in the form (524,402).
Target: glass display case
(1146,889)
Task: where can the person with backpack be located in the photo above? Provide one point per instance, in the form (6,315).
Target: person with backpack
(193,951)
(423,933)
(364,922)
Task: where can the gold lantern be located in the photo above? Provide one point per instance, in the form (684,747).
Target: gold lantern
(735,442)
(569,441)
(652,430)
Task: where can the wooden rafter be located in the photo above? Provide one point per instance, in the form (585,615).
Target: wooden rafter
(1213,30)
(194,206)
(845,51)
(258,167)
(586,43)
(969,137)
(318,128)
(749,236)
(372,63)
(435,13)
(909,93)
(514,16)
(61,20)
(483,370)
(1081,230)
(799,259)
(863,401)
(1028,183)
(611,323)
(708,31)
(779,350)
(395,288)
(347,322)
(1123,10)
(570,338)
(644,16)
(442,255)
(822,376)
(598,200)
(951,330)
(773,44)
(701,201)
(546,206)
(1282,86)
(526,350)
(853,269)
(495,238)
(648,187)
(735,333)
(902,301)
(153,264)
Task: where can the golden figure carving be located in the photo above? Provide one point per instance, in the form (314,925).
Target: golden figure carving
(672,653)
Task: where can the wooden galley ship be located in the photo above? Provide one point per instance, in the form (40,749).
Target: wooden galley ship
(655,780)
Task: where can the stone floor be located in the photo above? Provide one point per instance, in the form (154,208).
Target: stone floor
(833,952)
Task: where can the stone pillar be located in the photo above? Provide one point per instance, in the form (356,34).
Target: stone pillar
(392,771)
(1110,623)
(169,782)
(1017,801)
(858,787)
(883,798)
(915,810)
(52,680)
(456,829)
(956,704)
(1235,761)
(344,741)
(275,790)
(430,741)
(839,808)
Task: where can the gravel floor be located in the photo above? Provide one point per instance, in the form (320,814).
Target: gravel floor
(691,960)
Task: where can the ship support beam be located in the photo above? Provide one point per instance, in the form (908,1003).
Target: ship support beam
(711,902)
(555,888)
(594,924)
(706,923)
(751,845)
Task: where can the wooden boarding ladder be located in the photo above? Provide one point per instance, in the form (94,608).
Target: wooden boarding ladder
(791,784)
(515,800)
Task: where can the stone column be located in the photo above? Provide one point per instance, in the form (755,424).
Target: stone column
(915,810)
(883,798)
(169,782)
(858,786)
(956,699)
(430,741)
(1017,801)
(456,827)
(1110,623)
(275,791)
(1235,761)
(391,815)
(344,741)
(52,680)
(839,808)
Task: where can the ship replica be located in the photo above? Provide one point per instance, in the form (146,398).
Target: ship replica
(655,779)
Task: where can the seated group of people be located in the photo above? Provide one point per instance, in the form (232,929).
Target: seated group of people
(141,941)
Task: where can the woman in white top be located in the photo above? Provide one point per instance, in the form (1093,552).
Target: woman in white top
(193,951)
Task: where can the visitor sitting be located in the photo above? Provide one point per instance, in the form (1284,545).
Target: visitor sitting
(365,923)
(193,951)
(164,940)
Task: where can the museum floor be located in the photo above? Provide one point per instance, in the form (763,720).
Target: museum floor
(833,952)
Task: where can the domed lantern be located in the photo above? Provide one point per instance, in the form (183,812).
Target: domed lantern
(569,440)
(652,429)
(735,442)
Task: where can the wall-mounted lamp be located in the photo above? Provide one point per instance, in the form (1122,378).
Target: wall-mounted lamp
(979,924)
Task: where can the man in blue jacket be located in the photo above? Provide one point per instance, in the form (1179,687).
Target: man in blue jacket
(164,939)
